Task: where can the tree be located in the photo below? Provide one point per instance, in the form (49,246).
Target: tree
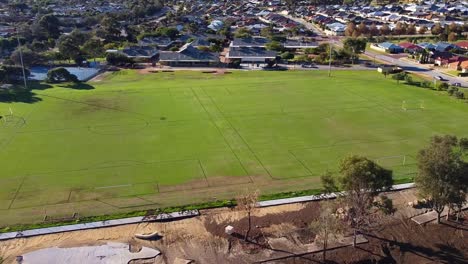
(400,29)
(61,75)
(453,28)
(350,29)
(287,55)
(385,30)
(354,46)
(442,174)
(243,32)
(29,57)
(12,73)
(247,203)
(452,37)
(110,28)
(51,25)
(362,179)
(274,45)
(373,30)
(169,32)
(411,29)
(94,47)
(363,29)
(328,183)
(327,227)
(68,48)
(118,59)
(422,30)
(437,29)
(267,32)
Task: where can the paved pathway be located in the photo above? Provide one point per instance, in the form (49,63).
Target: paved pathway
(100,224)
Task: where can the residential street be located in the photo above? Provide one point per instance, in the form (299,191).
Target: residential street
(417,68)
(406,65)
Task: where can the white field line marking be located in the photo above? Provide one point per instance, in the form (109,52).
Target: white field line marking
(113,186)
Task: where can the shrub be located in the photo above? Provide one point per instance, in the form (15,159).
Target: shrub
(442,86)
(452,90)
(463,142)
(385,205)
(426,84)
(459,95)
(408,79)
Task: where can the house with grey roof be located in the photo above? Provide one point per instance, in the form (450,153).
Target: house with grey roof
(188,55)
(255,55)
(138,52)
(387,47)
(159,42)
(256,42)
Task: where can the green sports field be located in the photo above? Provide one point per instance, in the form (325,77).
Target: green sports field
(135,141)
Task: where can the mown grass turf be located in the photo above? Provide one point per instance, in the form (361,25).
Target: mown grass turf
(133,134)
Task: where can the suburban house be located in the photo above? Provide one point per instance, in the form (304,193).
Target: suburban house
(254,42)
(453,62)
(216,25)
(335,29)
(251,55)
(387,47)
(188,55)
(459,65)
(296,44)
(138,52)
(410,47)
(159,42)
(427,45)
(444,46)
(462,44)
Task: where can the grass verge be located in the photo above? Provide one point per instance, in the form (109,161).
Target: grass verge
(198,206)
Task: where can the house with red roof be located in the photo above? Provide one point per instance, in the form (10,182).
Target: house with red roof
(461,65)
(410,47)
(462,44)
(452,62)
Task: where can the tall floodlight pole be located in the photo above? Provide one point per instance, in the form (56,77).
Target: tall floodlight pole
(21,59)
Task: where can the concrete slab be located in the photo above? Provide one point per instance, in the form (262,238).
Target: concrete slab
(115,253)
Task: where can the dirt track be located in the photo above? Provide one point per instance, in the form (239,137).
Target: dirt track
(286,227)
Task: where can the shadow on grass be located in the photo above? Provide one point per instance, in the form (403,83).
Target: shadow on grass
(39,86)
(18,95)
(77,86)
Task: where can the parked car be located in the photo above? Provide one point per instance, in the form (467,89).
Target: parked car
(308,65)
(456,84)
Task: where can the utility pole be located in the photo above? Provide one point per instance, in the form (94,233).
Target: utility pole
(329,60)
(21,59)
